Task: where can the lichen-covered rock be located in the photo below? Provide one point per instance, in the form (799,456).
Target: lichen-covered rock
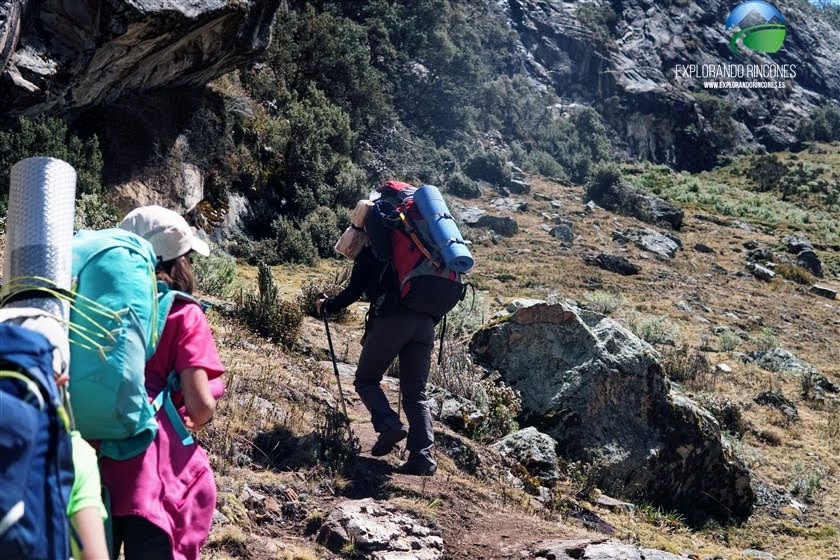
(534,451)
(380,531)
(662,245)
(600,392)
(609,550)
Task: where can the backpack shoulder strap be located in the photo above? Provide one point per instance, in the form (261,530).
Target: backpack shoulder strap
(166,298)
(164,400)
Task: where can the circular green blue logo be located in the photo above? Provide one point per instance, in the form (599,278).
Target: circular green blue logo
(761,28)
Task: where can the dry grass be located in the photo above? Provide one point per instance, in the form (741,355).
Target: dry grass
(532,264)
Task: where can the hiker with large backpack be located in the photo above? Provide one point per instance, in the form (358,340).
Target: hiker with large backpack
(406,274)
(43,508)
(162,499)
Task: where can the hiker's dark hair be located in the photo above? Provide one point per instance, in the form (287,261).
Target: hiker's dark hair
(177,273)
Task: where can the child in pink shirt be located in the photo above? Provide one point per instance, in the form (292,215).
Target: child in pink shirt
(162,500)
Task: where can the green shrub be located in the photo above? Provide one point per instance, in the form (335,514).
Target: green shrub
(455,372)
(605,302)
(214,275)
(767,171)
(577,141)
(805,481)
(686,365)
(255,251)
(490,167)
(542,163)
(312,288)
(604,177)
(713,133)
(727,341)
(293,245)
(267,313)
(468,315)
(502,405)
(321,226)
(600,20)
(314,156)
(94,212)
(655,330)
(50,136)
(823,125)
(337,446)
(765,340)
(461,185)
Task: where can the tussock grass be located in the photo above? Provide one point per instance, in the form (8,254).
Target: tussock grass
(604,302)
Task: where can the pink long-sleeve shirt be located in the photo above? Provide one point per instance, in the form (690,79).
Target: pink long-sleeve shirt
(171,484)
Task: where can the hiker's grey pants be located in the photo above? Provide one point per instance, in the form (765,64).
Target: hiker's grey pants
(410,336)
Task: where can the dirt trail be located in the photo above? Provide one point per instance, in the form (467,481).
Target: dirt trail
(476,521)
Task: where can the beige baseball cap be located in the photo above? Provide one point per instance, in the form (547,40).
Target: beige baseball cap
(167,231)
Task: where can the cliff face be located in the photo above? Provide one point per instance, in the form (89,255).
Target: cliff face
(57,55)
(621,56)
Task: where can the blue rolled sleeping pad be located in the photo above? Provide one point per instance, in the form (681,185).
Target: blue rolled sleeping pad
(442,228)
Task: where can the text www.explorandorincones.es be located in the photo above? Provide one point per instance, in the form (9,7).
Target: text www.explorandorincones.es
(744,85)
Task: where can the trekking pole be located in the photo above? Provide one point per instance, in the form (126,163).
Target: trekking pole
(337,376)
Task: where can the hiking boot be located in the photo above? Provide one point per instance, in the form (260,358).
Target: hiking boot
(417,468)
(387,441)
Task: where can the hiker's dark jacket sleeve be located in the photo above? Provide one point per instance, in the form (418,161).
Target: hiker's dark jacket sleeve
(363,268)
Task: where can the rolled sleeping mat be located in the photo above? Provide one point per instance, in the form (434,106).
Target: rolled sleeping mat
(351,242)
(360,212)
(442,228)
(39,232)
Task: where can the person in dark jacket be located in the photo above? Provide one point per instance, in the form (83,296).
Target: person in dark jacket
(391,331)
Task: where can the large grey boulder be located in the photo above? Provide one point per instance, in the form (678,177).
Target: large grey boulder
(809,260)
(664,246)
(823,291)
(600,392)
(624,198)
(79,54)
(761,272)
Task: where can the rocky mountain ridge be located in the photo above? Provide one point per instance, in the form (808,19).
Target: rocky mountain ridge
(620,57)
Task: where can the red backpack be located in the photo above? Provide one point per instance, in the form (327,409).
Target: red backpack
(399,235)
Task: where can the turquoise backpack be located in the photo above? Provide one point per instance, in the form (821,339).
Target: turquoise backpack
(116,319)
